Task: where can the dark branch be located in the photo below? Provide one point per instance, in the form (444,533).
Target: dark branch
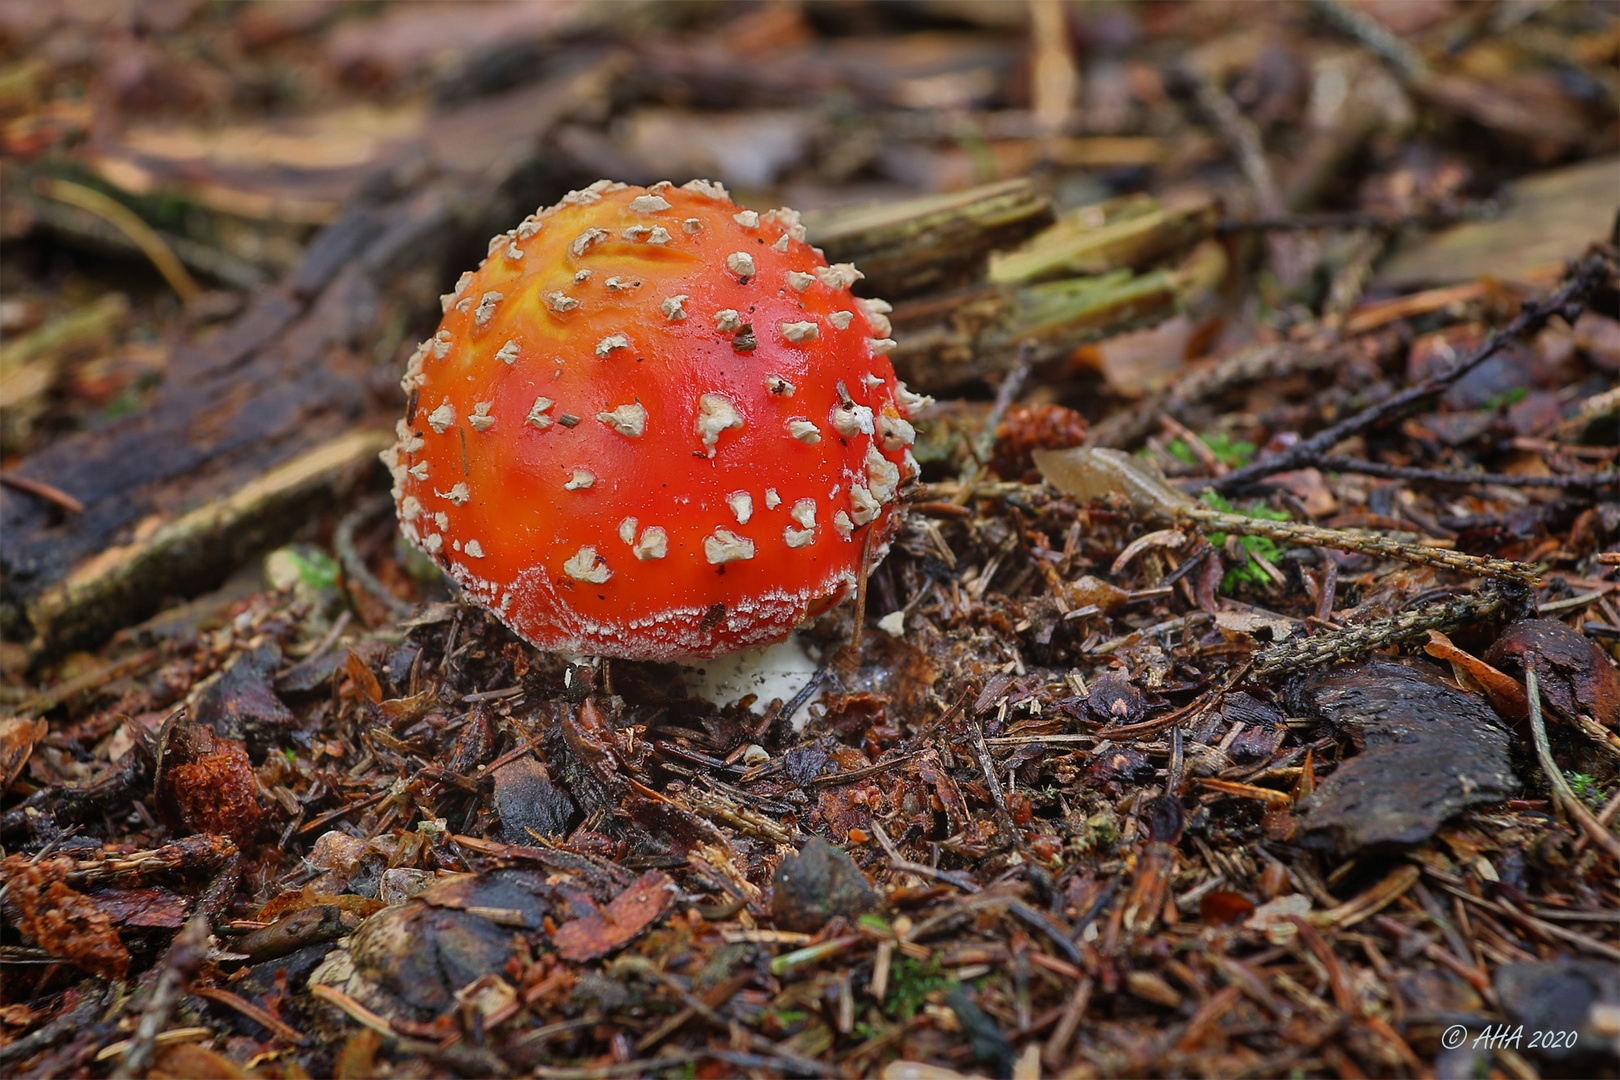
(1440,476)
(1567,301)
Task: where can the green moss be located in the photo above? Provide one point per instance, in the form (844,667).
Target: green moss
(1227,450)
(1248,573)
(1586,789)
(910,983)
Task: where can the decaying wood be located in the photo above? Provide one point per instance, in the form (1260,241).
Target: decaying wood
(964,314)
(274,415)
(933,242)
(116,587)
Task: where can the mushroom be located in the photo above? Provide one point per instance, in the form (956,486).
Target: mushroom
(676,470)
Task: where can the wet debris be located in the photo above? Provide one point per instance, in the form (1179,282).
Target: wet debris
(1577,677)
(18,736)
(1576,1002)
(1114,699)
(599,932)
(818,884)
(531,806)
(410,960)
(242,704)
(1426,752)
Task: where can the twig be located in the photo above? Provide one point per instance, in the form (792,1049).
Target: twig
(858,633)
(354,567)
(1195,443)
(906,866)
(806,691)
(130,224)
(1439,476)
(1055,1052)
(1572,803)
(618,1068)
(987,766)
(1242,137)
(1530,922)
(1297,532)
(1349,282)
(1378,39)
(186,954)
(1609,810)
(40,489)
(1354,219)
(1246,367)
(62,693)
(1300,653)
(257,1014)
(329,638)
(829,779)
(171,1037)
(73,1021)
(356,1011)
(985,444)
(1567,301)
(1059,934)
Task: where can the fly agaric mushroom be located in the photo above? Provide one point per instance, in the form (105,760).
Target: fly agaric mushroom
(654,425)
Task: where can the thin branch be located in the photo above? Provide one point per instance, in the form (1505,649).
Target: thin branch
(1571,802)
(354,565)
(1567,301)
(130,224)
(1353,219)
(41,490)
(986,442)
(903,865)
(1298,654)
(1440,476)
(187,953)
(1367,543)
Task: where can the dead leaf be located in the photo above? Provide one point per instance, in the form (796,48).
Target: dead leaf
(364,680)
(18,737)
(146,907)
(1550,217)
(607,930)
(1505,692)
(188,1061)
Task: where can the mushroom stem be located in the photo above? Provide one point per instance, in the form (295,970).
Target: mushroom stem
(783,671)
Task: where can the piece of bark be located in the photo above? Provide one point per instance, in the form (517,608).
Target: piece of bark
(125,582)
(1428,751)
(947,340)
(929,243)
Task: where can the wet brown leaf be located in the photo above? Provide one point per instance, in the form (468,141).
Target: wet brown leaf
(1576,676)
(18,737)
(611,928)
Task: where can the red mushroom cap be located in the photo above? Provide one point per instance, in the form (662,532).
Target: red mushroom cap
(654,425)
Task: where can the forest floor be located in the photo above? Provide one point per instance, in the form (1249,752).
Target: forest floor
(1304,765)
